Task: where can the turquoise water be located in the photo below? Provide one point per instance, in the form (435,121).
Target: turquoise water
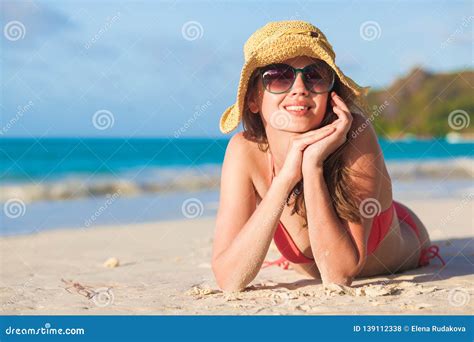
(64,182)
(46,159)
(24,160)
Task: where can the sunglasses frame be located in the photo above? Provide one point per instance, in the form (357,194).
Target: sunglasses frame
(296,71)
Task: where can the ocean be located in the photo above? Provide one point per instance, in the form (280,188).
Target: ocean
(64,182)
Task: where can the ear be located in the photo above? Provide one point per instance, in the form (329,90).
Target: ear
(253,106)
(252,101)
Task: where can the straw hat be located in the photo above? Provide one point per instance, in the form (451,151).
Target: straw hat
(276,42)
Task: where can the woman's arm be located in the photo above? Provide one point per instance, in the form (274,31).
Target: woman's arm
(243,233)
(338,246)
(333,249)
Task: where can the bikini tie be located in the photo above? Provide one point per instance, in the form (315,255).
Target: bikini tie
(281,262)
(430,253)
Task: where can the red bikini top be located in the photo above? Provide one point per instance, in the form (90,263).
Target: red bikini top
(287,247)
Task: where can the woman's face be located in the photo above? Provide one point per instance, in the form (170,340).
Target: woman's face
(283,112)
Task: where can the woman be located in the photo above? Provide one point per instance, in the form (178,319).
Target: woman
(307,171)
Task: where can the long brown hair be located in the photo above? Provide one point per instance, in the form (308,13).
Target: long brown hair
(338,179)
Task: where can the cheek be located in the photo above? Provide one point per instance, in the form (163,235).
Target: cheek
(320,110)
(270,103)
(321,102)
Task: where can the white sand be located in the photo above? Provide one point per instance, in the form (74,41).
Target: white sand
(165,269)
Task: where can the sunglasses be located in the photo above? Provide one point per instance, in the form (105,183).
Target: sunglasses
(279,78)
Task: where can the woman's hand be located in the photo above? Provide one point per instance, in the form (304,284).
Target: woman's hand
(292,167)
(316,153)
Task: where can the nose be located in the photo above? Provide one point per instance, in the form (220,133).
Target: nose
(299,88)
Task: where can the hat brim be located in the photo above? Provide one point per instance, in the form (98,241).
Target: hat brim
(276,51)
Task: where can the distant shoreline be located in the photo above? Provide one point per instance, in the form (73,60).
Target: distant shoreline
(399,136)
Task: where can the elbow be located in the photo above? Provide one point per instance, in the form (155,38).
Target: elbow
(349,274)
(225,280)
(339,279)
(230,287)
(345,277)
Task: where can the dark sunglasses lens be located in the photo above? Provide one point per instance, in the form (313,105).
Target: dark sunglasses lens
(318,78)
(278,78)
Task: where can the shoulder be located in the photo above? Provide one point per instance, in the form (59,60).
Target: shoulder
(363,143)
(237,142)
(362,128)
(364,158)
(242,153)
(242,148)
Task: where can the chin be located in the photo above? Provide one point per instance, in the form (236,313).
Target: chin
(298,128)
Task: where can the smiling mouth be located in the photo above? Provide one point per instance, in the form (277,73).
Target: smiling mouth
(297,110)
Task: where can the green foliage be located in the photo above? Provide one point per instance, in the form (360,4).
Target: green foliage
(420,104)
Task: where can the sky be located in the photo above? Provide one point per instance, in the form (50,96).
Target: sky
(170,68)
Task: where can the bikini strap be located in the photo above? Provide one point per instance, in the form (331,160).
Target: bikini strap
(271,165)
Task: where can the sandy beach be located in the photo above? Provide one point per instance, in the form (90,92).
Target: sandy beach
(164,268)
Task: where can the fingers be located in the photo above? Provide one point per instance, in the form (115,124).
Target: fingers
(324,131)
(301,141)
(340,108)
(344,120)
(343,116)
(313,131)
(321,134)
(338,101)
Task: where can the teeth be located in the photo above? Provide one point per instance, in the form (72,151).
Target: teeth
(296,107)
